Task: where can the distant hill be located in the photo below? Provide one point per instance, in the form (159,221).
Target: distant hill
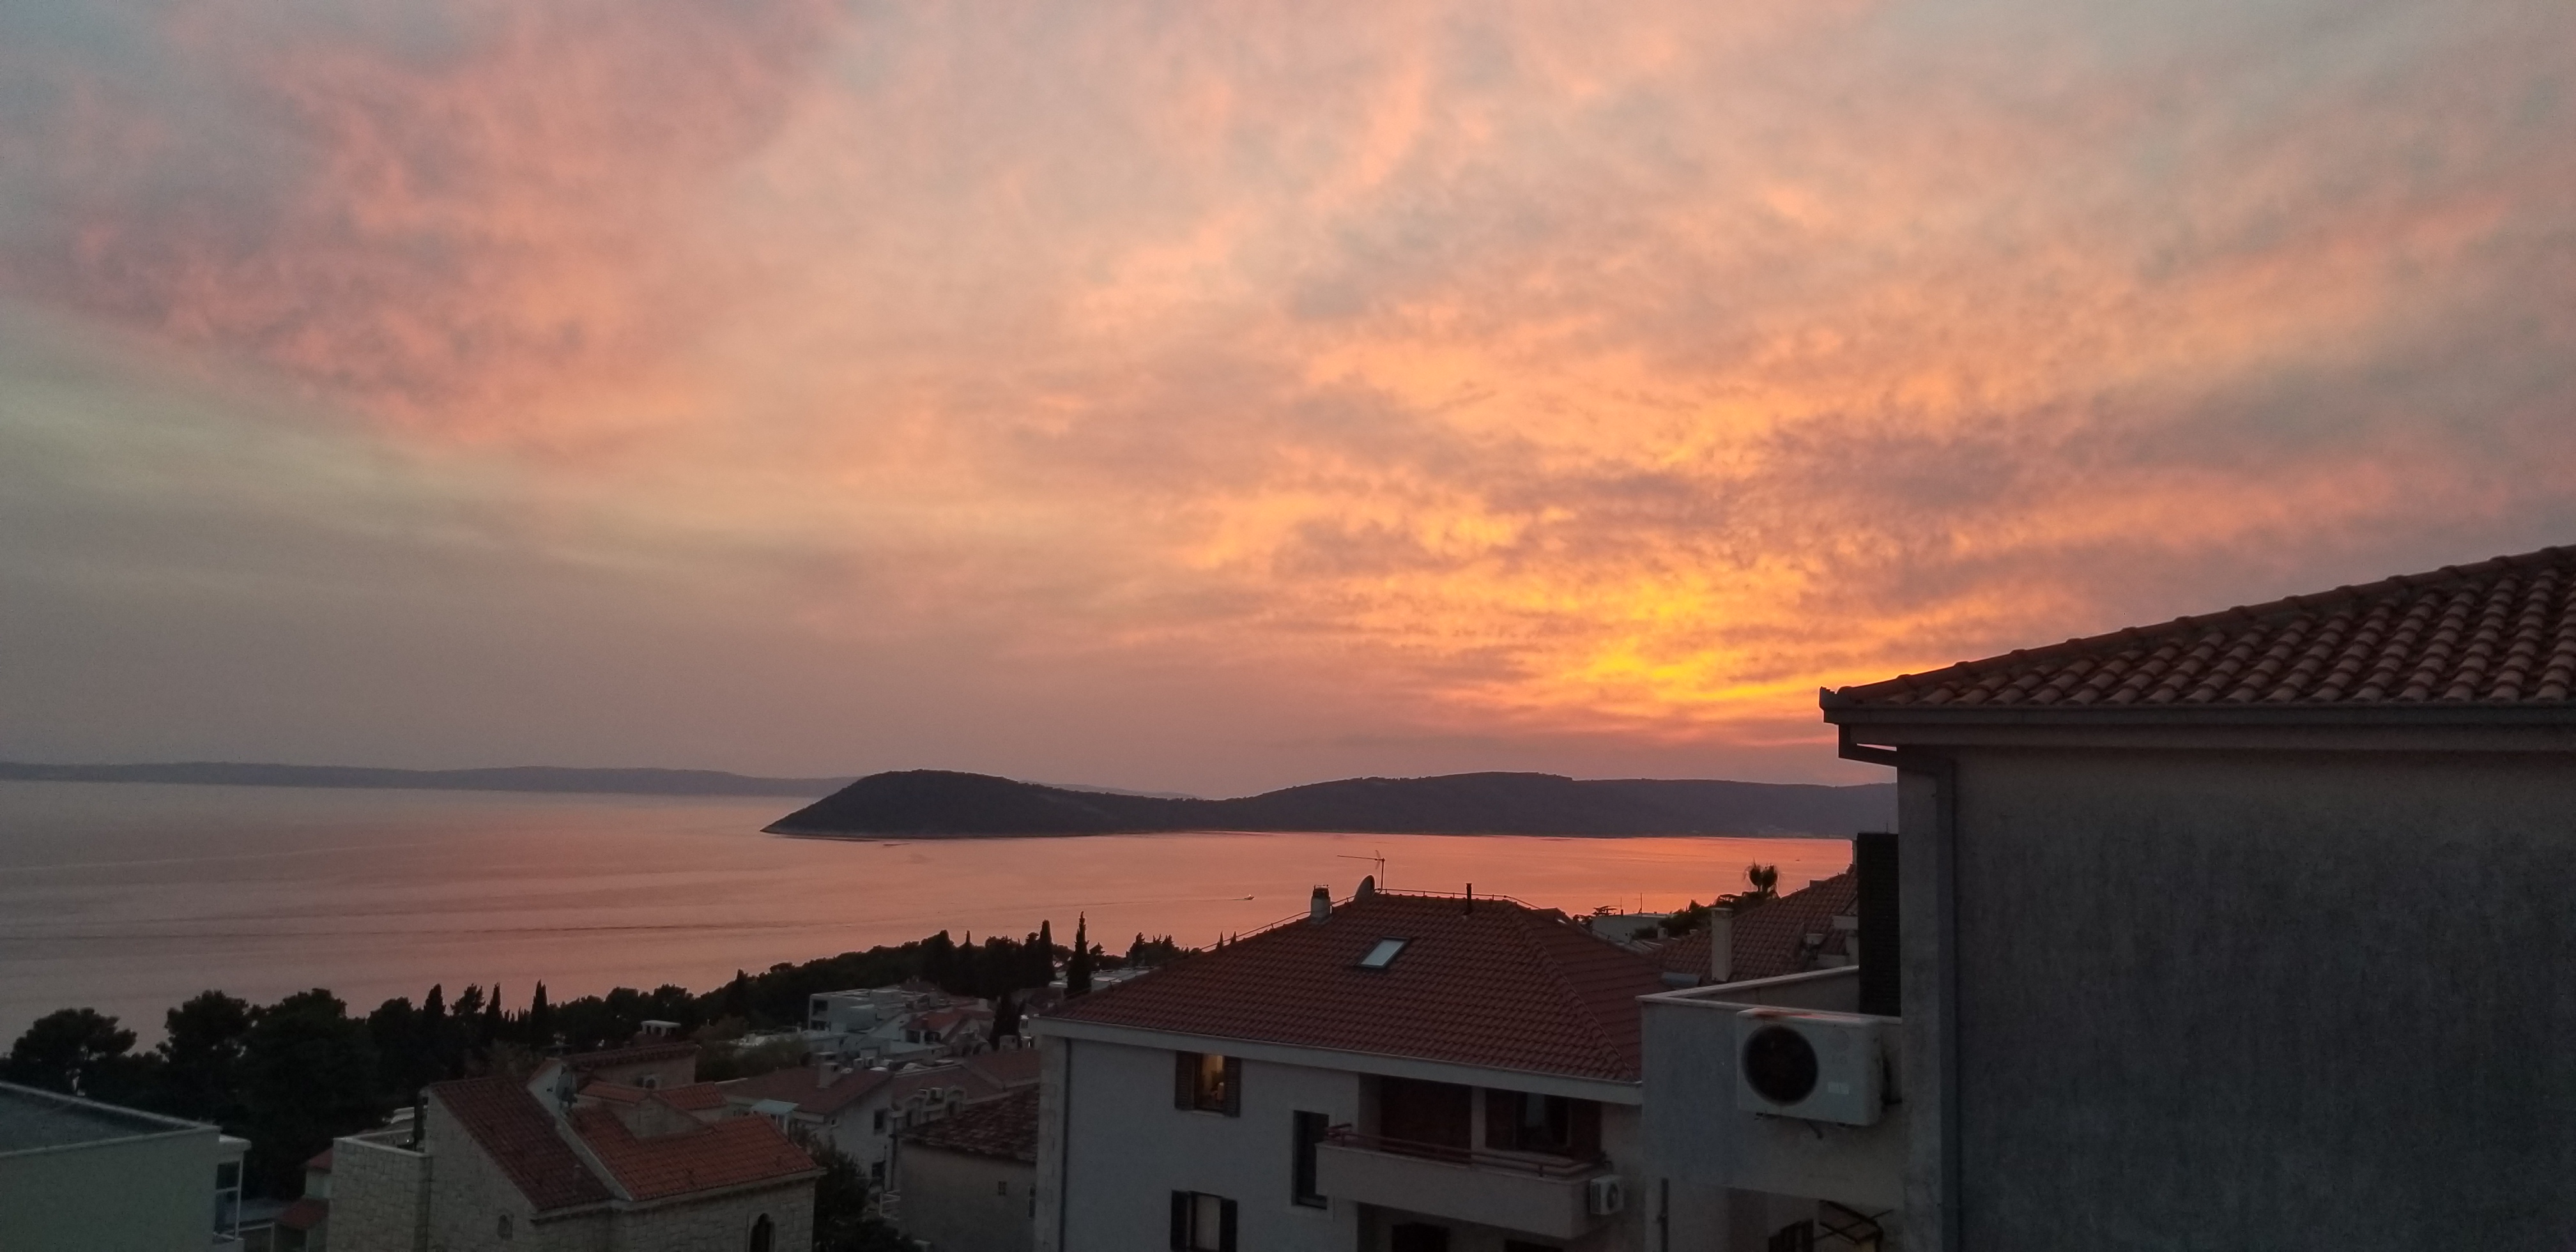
(652,782)
(941,803)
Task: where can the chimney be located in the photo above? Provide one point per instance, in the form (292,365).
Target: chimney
(1471,898)
(1721,945)
(1322,905)
(823,1070)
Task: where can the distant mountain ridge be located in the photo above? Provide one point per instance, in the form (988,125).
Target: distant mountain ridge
(943,803)
(542,778)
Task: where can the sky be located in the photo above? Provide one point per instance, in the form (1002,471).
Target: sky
(1210,397)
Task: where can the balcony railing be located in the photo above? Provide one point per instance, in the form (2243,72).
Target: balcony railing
(1535,1165)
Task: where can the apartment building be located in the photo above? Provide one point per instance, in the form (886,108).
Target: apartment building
(1403,1072)
(861,1110)
(78,1173)
(2243,930)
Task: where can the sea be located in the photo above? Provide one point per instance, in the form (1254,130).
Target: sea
(131,897)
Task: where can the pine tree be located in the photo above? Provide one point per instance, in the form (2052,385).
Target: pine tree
(1077,971)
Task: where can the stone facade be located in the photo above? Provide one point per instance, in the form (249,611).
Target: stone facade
(379,1193)
(719,1224)
(474,1207)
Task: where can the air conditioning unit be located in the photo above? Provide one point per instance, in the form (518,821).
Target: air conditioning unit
(1823,1067)
(1605,1195)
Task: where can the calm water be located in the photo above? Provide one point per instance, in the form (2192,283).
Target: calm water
(131,898)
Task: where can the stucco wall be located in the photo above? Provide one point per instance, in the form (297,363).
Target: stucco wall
(961,1202)
(2265,1000)
(152,1194)
(1130,1149)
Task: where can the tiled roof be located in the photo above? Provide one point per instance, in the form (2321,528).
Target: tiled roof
(696,1097)
(795,1084)
(304,1214)
(2501,632)
(1016,1067)
(1503,986)
(319,1161)
(614,1092)
(1006,1127)
(632,1055)
(519,1135)
(1769,939)
(712,1155)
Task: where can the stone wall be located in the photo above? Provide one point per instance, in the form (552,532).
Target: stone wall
(377,1192)
(962,1202)
(470,1195)
(722,1224)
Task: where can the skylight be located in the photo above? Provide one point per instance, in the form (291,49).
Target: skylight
(1379,956)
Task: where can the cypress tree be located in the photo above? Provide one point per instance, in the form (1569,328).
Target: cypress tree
(1077,971)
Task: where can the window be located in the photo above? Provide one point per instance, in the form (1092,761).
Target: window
(1208,1083)
(1525,1121)
(764,1234)
(648,1081)
(1202,1222)
(1001,1186)
(1309,1130)
(502,1227)
(1418,1237)
(1384,954)
(227,1197)
(880,1121)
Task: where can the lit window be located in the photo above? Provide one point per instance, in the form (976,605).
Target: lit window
(1383,954)
(1208,1083)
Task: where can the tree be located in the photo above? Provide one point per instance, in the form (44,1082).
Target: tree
(1006,1015)
(1077,971)
(308,1077)
(537,1030)
(843,1218)
(78,1052)
(1042,958)
(201,1058)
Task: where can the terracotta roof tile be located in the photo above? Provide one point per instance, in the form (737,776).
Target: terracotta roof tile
(319,1161)
(706,1157)
(1770,939)
(2500,632)
(696,1097)
(1006,1128)
(519,1135)
(631,1055)
(1504,986)
(304,1214)
(796,1085)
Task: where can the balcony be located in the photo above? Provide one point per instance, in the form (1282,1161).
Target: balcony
(1539,1195)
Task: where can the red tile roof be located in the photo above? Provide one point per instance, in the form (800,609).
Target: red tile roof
(519,1135)
(632,1055)
(614,1092)
(795,1084)
(696,1097)
(729,1153)
(1770,938)
(304,1214)
(319,1161)
(2500,632)
(1504,986)
(1006,1128)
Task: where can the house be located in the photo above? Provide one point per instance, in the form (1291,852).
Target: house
(2241,930)
(1811,928)
(968,1182)
(648,1063)
(78,1173)
(1415,1072)
(616,1166)
(305,1225)
(860,1111)
(887,1025)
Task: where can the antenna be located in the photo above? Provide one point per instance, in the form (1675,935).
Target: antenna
(1379,858)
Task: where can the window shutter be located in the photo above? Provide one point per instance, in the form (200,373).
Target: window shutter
(1180,1221)
(1225,1227)
(1502,1119)
(1185,1080)
(1233,1089)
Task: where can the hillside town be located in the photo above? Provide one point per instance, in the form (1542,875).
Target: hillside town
(2170,937)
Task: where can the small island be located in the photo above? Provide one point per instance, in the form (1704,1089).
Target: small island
(932,804)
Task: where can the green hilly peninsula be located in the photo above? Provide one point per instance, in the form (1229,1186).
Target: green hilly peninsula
(940,803)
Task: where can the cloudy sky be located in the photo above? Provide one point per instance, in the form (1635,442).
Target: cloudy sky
(1216,396)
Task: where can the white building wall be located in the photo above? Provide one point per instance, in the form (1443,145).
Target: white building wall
(145,1194)
(1127,1149)
(962,1202)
